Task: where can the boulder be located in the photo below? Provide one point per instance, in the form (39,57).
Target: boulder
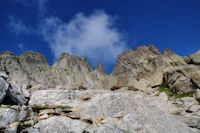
(197,93)
(178,82)
(12,128)
(7,116)
(195,58)
(16,95)
(3,88)
(188,102)
(194,108)
(183,86)
(196,79)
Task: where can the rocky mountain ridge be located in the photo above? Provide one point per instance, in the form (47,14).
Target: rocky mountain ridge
(147,91)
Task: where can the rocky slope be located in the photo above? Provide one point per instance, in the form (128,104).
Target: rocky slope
(148,92)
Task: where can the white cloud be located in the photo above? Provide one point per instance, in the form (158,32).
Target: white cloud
(18,27)
(94,37)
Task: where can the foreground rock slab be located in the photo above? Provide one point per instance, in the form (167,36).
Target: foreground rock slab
(101,111)
(59,124)
(61,98)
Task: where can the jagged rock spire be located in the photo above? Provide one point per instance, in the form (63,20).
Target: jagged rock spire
(99,68)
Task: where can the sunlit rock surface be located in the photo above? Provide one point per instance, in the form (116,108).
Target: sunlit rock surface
(147,91)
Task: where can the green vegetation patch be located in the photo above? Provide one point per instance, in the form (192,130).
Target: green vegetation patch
(150,60)
(64,107)
(187,60)
(174,63)
(18,61)
(165,88)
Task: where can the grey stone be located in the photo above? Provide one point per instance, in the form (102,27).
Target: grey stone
(59,124)
(197,93)
(191,121)
(194,108)
(3,75)
(71,97)
(7,116)
(11,64)
(23,113)
(178,82)
(11,130)
(106,105)
(3,88)
(188,102)
(16,95)
(109,129)
(196,79)
(61,98)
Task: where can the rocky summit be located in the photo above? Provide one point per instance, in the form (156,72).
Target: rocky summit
(147,92)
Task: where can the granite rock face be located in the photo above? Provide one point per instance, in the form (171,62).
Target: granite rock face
(36,66)
(31,69)
(73,71)
(143,67)
(147,91)
(11,64)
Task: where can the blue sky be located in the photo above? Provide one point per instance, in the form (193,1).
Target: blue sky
(98,29)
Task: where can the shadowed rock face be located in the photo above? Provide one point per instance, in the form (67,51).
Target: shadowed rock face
(3,88)
(33,58)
